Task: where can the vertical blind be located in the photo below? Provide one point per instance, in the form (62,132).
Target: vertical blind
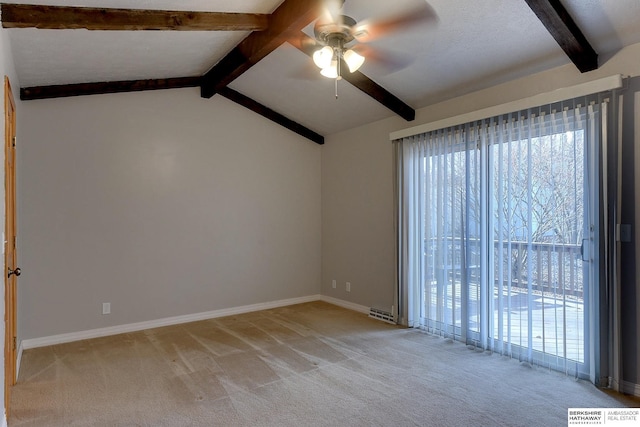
(497,225)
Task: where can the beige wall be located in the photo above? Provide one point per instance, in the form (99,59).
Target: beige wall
(163,204)
(357,216)
(357,194)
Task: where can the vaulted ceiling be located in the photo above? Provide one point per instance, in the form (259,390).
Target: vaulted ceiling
(256,52)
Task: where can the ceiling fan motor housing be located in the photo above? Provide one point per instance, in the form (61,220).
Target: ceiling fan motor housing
(335,34)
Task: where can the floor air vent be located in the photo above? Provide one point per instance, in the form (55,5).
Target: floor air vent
(385,316)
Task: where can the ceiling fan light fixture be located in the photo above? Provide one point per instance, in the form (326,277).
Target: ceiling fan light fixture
(353,59)
(323,57)
(331,71)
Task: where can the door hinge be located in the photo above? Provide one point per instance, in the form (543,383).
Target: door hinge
(14,142)
(14,343)
(14,242)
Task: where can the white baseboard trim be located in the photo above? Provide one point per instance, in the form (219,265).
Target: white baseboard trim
(345,304)
(167,321)
(4,420)
(631,388)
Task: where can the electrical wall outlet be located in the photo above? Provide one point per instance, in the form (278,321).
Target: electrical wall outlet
(106,308)
(348,286)
(333,283)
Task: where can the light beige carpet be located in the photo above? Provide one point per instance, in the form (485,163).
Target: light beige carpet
(305,365)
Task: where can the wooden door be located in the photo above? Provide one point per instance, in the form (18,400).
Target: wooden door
(12,272)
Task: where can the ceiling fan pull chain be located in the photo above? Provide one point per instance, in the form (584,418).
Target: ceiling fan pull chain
(339,76)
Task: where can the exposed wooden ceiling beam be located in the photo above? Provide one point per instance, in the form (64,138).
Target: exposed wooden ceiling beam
(283,24)
(99,88)
(380,94)
(307,45)
(79,89)
(565,31)
(268,113)
(288,19)
(62,17)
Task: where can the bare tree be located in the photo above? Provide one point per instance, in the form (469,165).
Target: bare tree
(542,200)
(536,198)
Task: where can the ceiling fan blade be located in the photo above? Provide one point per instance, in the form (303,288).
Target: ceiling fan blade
(386,61)
(369,29)
(305,43)
(332,11)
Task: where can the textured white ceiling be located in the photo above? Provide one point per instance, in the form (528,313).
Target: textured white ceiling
(47,57)
(304,97)
(474,44)
(609,25)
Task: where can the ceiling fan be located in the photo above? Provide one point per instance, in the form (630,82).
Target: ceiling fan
(339,37)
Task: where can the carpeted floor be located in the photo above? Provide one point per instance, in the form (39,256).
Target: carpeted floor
(311,364)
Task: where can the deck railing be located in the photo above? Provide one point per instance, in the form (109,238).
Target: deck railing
(552,272)
(552,268)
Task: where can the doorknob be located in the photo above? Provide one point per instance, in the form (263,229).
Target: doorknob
(17,272)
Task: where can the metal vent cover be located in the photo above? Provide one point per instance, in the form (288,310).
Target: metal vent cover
(385,316)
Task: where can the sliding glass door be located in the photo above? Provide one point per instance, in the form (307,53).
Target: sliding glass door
(503,218)
(540,237)
(452,231)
